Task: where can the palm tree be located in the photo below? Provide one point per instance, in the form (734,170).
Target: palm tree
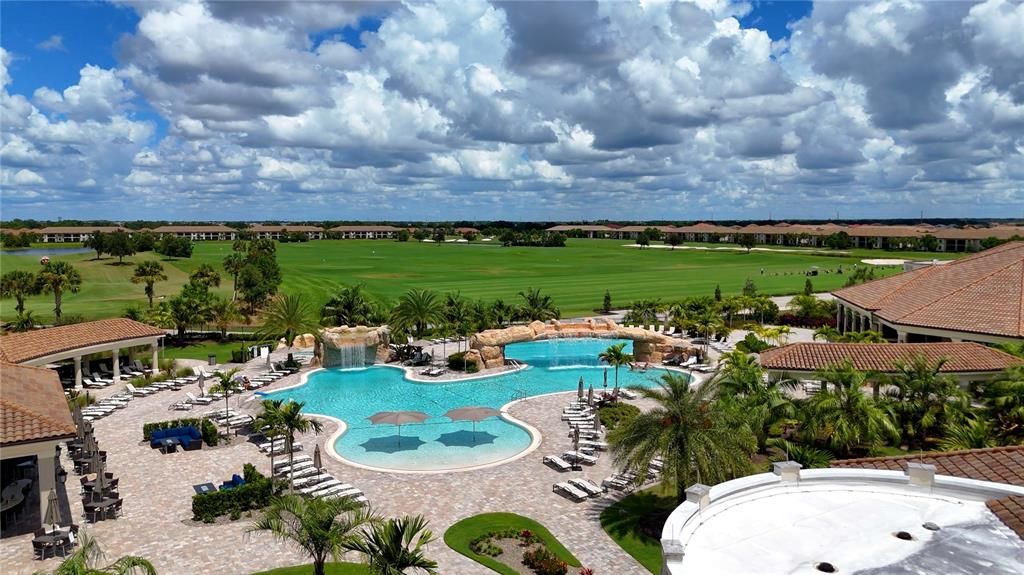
(616,357)
(924,400)
(58,277)
(223,313)
(395,546)
(972,433)
(1005,400)
(319,527)
(292,421)
(149,272)
(843,416)
(287,315)
(694,435)
(827,333)
(707,323)
(808,457)
(83,562)
(269,420)
(537,306)
(418,309)
(18,284)
(350,306)
(644,312)
(233,264)
(228,385)
(758,404)
(502,313)
(24,322)
(205,276)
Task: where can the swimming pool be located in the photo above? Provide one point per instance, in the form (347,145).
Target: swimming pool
(352,395)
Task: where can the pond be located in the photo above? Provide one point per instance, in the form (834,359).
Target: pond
(39,252)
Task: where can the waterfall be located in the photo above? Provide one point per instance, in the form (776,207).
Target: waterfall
(348,356)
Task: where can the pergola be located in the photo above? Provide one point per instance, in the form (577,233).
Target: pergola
(46,346)
(34,420)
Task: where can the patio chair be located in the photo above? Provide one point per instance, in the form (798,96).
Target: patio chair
(139,391)
(580,457)
(565,488)
(198,400)
(323,485)
(140,367)
(337,490)
(279,465)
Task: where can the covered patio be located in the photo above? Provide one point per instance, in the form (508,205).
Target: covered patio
(34,421)
(78,343)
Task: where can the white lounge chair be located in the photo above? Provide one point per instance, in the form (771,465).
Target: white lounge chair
(295,460)
(598,445)
(565,488)
(300,473)
(343,490)
(327,489)
(326,484)
(579,457)
(557,462)
(293,468)
(592,489)
(198,400)
(140,391)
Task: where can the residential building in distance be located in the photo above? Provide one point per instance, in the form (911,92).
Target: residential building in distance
(379,232)
(65,234)
(199,232)
(274,232)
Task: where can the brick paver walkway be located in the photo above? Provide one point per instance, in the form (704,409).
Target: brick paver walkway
(157,489)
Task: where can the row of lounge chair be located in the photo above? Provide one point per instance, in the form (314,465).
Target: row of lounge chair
(311,481)
(434,371)
(105,407)
(104,376)
(229,418)
(579,489)
(662,329)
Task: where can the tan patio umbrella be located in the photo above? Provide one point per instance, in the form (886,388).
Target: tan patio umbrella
(317,462)
(473,414)
(579,390)
(597,422)
(398,418)
(52,515)
(590,395)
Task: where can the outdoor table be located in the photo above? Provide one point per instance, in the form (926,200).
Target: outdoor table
(204,488)
(98,509)
(168,445)
(54,541)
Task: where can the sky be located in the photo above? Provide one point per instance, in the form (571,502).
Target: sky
(717,109)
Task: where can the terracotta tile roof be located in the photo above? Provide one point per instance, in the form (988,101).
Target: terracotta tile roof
(997,464)
(983,293)
(80,229)
(212,228)
(21,347)
(382,228)
(32,405)
(1009,510)
(288,227)
(962,357)
(585,228)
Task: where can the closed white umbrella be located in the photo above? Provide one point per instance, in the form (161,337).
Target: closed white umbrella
(52,515)
(579,390)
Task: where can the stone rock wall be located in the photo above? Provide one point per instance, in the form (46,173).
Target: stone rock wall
(648,346)
(373,340)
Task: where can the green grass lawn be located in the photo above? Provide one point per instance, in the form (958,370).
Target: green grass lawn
(329,569)
(459,535)
(629,523)
(575,276)
(202,350)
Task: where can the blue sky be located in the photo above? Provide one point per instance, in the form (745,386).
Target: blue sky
(511,110)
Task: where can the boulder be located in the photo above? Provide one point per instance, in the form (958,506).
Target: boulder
(304,340)
(493,337)
(473,356)
(490,352)
(538,328)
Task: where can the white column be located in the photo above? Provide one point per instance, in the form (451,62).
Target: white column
(116,356)
(78,372)
(839,318)
(47,478)
(901,336)
(156,359)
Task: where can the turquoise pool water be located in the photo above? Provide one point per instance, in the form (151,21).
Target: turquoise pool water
(353,395)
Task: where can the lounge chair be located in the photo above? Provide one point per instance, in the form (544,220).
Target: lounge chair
(599,445)
(565,488)
(293,468)
(86,372)
(592,489)
(651,328)
(671,331)
(300,473)
(312,480)
(139,392)
(627,393)
(198,400)
(93,384)
(282,449)
(279,465)
(343,490)
(183,405)
(325,484)
(579,457)
(557,462)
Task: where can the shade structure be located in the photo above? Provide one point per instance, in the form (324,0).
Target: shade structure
(398,418)
(606,377)
(473,414)
(317,462)
(52,515)
(597,422)
(590,395)
(579,389)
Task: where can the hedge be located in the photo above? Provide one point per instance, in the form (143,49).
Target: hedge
(457,362)
(206,427)
(254,494)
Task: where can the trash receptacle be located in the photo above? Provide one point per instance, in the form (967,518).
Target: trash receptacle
(212,359)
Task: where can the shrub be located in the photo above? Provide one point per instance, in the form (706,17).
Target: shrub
(456,362)
(613,414)
(544,562)
(206,427)
(751,344)
(254,494)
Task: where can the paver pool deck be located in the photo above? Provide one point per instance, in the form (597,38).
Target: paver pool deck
(157,490)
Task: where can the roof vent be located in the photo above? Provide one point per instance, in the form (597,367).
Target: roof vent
(825,567)
(931,526)
(904,536)
(922,474)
